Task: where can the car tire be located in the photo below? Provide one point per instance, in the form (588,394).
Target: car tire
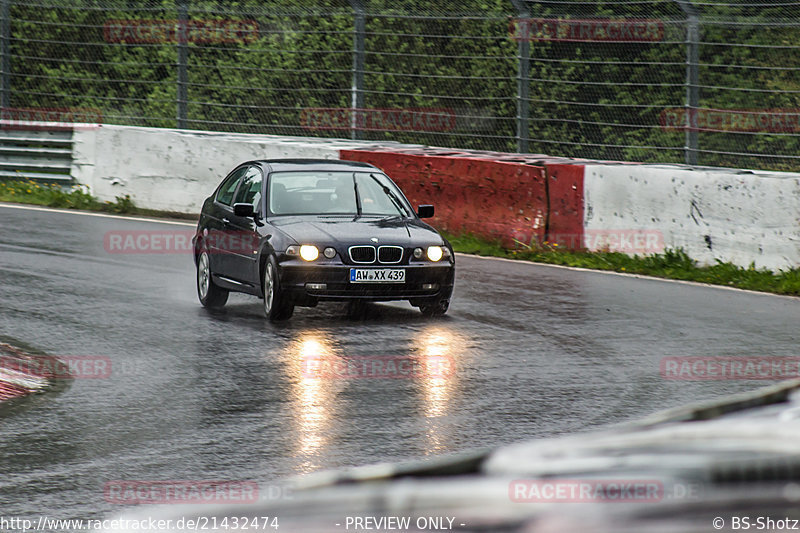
(435,307)
(210,294)
(276,305)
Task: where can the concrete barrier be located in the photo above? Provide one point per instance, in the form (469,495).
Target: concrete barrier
(494,199)
(175,170)
(735,216)
(565,193)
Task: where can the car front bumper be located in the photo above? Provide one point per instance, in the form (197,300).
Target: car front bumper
(304,282)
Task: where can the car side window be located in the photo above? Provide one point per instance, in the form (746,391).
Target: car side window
(250,190)
(228,187)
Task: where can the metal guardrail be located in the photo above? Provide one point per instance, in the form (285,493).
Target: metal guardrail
(36,155)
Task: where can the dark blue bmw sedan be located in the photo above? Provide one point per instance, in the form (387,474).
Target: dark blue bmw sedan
(297,231)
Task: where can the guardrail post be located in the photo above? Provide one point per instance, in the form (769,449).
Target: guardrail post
(5,54)
(523,81)
(183,57)
(357,90)
(692,80)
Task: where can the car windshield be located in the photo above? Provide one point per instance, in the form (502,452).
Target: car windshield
(335,193)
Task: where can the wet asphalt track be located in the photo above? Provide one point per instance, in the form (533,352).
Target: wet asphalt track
(193,395)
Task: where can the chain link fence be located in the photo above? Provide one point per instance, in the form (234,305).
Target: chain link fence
(630,80)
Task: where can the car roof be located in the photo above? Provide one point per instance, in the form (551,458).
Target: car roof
(325,165)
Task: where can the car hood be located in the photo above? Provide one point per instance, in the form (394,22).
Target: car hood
(330,230)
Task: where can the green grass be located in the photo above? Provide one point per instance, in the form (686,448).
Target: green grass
(54,195)
(74,197)
(671,264)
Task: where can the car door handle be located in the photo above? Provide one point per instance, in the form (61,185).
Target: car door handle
(226,221)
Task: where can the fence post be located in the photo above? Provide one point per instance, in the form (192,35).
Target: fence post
(5,54)
(523,81)
(183,55)
(692,79)
(357,89)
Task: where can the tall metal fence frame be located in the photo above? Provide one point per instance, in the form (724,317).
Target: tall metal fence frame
(359,95)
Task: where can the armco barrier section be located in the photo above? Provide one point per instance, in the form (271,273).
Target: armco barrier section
(494,199)
(741,217)
(35,153)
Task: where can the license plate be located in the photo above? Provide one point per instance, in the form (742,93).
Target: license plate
(377,275)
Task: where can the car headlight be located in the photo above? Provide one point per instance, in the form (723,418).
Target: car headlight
(435,253)
(309,252)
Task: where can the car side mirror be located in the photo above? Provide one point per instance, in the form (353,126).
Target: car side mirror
(425,211)
(243,210)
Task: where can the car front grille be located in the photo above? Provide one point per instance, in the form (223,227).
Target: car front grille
(390,254)
(367,255)
(362,254)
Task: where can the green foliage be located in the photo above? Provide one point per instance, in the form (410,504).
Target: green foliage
(51,195)
(27,191)
(122,204)
(601,99)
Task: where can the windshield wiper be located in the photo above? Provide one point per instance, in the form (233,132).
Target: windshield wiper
(358,196)
(388,192)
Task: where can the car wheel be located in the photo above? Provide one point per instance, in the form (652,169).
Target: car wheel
(435,307)
(276,304)
(210,295)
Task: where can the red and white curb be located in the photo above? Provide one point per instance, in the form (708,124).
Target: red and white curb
(13,382)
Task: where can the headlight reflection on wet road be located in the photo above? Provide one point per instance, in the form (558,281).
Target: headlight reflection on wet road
(439,351)
(319,369)
(314,399)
